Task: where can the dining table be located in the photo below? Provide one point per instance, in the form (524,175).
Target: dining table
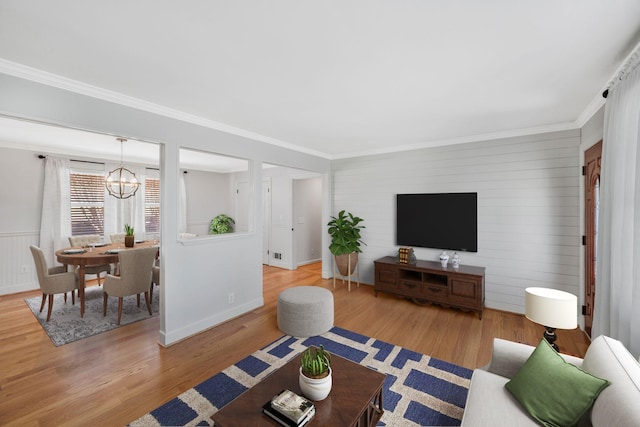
(95,254)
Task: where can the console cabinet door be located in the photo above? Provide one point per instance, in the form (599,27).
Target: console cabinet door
(386,277)
(466,292)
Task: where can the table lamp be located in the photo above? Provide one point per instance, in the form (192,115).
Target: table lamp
(552,309)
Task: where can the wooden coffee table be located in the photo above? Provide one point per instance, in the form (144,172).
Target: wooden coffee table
(355,398)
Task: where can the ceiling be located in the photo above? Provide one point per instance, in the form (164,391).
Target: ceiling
(333,78)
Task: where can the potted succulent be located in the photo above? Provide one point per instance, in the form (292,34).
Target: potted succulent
(129,238)
(315,373)
(345,241)
(221,224)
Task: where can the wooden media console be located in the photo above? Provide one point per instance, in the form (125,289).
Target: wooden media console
(429,282)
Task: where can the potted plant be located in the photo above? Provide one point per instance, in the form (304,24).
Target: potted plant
(221,224)
(345,241)
(129,238)
(315,373)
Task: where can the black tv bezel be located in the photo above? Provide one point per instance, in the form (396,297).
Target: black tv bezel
(451,245)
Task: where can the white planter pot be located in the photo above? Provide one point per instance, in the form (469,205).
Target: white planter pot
(315,388)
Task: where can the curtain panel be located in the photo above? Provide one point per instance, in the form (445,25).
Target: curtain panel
(617,298)
(55,222)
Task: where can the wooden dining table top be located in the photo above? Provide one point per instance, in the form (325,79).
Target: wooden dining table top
(98,254)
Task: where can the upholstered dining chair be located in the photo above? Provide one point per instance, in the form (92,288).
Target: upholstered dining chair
(117,237)
(86,240)
(135,277)
(54,280)
(155,280)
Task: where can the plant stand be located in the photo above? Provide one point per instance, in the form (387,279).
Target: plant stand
(356,270)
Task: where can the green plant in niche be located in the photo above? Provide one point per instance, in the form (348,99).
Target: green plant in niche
(221,224)
(315,362)
(345,233)
(128,230)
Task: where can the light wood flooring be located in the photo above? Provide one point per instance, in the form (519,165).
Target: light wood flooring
(113,378)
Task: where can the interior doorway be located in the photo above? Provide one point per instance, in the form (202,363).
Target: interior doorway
(592,159)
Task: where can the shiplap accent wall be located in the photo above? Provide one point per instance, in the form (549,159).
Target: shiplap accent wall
(528,207)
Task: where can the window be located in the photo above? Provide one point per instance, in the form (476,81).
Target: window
(152,205)
(87,203)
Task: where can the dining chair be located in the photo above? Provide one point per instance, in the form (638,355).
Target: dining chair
(117,237)
(86,240)
(135,277)
(54,280)
(155,280)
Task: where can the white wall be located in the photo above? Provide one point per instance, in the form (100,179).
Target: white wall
(528,207)
(197,275)
(208,195)
(20,205)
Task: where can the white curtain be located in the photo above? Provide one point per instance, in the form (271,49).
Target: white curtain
(617,298)
(55,223)
(182,202)
(118,212)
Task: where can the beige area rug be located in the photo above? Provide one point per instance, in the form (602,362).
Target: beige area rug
(67,326)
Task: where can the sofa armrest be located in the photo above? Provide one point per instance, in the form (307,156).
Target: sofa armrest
(508,357)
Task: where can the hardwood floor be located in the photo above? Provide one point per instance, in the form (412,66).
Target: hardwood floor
(118,376)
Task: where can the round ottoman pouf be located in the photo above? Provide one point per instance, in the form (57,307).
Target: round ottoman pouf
(305,311)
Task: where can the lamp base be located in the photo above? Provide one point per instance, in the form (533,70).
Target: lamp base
(550,336)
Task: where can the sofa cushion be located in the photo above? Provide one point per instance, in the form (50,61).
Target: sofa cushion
(489,403)
(618,404)
(554,392)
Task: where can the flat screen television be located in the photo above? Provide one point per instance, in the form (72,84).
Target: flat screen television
(438,220)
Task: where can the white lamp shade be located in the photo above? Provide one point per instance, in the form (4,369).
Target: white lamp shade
(551,307)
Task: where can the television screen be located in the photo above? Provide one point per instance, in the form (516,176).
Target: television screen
(439,220)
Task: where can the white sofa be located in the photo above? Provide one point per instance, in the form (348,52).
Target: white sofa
(489,403)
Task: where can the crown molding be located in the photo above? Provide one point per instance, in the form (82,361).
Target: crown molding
(54,80)
(465,139)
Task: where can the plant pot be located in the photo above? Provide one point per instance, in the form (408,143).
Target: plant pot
(315,388)
(342,261)
(129,241)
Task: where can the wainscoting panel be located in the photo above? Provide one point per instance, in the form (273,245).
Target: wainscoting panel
(17,271)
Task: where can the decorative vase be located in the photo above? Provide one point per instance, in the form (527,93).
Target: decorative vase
(345,261)
(455,260)
(444,258)
(129,241)
(315,388)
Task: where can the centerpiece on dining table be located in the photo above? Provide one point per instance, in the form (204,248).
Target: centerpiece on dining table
(129,238)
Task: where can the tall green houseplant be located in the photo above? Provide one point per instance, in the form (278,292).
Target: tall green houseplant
(345,240)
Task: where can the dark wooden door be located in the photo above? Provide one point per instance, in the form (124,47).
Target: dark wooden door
(592,159)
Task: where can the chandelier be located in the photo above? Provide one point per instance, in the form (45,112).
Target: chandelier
(121,183)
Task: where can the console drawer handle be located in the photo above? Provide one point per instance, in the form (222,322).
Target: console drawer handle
(435,289)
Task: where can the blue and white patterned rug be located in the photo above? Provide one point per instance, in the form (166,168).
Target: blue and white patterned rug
(419,390)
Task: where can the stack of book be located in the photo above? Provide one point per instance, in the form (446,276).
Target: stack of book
(290,409)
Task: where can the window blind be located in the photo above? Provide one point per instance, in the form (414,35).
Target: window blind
(152,205)
(87,203)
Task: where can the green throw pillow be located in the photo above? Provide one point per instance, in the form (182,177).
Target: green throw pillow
(554,392)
